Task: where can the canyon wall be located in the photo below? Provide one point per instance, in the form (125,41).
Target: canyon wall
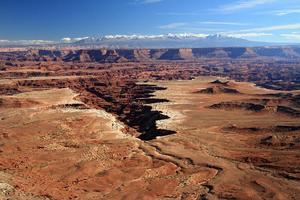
(124,55)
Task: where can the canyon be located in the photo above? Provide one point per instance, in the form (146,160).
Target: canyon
(203,123)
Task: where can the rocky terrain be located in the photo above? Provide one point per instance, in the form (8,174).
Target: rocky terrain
(213,123)
(123,55)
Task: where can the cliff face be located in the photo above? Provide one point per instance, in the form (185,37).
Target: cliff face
(124,55)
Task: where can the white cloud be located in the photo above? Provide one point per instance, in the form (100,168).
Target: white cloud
(33,42)
(26,42)
(286,12)
(263,31)
(179,13)
(211,27)
(291,36)
(173,25)
(273,28)
(148,1)
(196,26)
(223,23)
(243,4)
(249,35)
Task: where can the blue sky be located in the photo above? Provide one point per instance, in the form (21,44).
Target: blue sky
(261,20)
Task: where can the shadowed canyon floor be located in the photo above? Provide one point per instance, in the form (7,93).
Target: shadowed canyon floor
(149,130)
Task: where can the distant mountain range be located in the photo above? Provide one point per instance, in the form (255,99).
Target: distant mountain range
(167,41)
(141,41)
(133,55)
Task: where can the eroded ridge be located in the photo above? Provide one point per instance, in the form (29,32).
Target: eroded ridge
(88,154)
(103,129)
(260,146)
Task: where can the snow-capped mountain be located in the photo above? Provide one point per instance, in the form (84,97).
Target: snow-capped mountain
(166,41)
(184,40)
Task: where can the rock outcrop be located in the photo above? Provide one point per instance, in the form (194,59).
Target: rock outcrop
(124,55)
